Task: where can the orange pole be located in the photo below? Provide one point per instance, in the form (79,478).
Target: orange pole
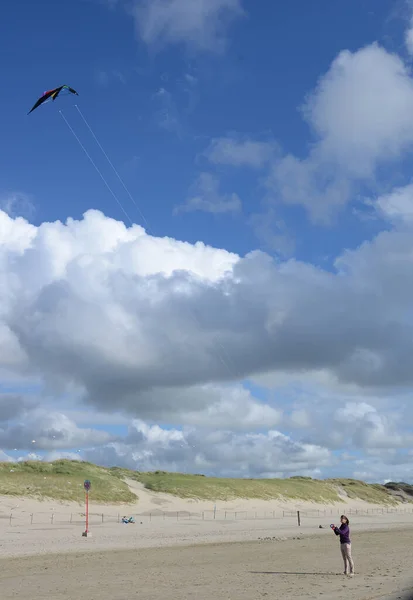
(87,511)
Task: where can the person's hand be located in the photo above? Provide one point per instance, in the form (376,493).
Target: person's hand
(332,526)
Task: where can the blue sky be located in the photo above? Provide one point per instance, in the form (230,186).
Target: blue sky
(282,127)
(255,87)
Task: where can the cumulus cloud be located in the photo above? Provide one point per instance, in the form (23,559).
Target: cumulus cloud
(360,116)
(273,232)
(354,424)
(123,315)
(199,24)
(397,206)
(13,405)
(221,452)
(48,430)
(165,340)
(205,196)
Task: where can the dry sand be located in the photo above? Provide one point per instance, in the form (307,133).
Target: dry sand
(174,551)
(292,569)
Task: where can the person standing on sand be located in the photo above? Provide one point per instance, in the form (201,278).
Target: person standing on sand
(345,544)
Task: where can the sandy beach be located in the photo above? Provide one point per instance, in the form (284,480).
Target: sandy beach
(293,568)
(243,549)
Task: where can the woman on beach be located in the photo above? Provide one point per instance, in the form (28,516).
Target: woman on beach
(345,544)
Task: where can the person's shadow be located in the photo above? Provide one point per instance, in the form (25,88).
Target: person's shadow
(292,573)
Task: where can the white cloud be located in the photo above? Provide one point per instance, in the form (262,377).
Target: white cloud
(222,452)
(226,407)
(13,405)
(273,232)
(199,24)
(41,430)
(360,114)
(357,425)
(396,206)
(206,197)
(160,330)
(117,312)
(239,152)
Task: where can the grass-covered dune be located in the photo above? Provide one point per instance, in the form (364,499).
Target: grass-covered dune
(63,480)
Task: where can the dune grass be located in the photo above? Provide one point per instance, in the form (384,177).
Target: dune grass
(63,480)
(214,488)
(369,492)
(297,488)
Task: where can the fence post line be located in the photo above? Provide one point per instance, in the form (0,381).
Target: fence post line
(31,519)
(298,517)
(11,516)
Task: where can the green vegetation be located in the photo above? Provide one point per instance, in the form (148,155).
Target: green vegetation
(214,488)
(402,491)
(373,493)
(63,480)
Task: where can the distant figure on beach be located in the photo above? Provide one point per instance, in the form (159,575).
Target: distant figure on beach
(345,544)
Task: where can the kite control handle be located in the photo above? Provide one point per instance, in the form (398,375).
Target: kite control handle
(332,526)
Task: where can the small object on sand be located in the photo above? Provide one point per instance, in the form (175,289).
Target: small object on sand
(320,527)
(128,520)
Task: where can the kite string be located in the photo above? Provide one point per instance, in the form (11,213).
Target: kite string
(95,166)
(113,167)
(192,313)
